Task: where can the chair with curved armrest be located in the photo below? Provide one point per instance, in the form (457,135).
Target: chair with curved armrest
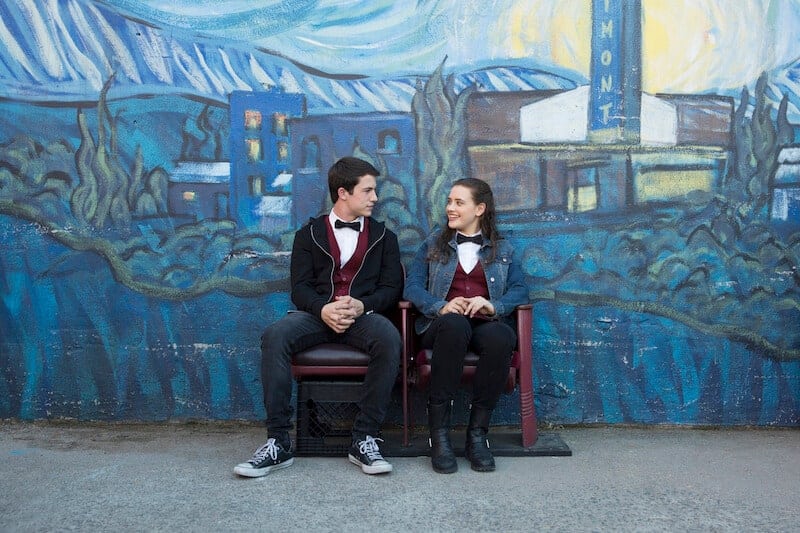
(336,363)
(520,373)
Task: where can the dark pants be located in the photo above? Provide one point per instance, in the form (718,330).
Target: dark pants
(451,336)
(373,334)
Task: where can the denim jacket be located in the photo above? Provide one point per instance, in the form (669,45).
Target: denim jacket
(428,282)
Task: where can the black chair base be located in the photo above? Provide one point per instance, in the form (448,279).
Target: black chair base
(325,414)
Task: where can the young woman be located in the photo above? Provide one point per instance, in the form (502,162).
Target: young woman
(466,284)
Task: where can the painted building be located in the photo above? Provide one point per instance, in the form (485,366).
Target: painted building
(199,190)
(544,140)
(388,139)
(786,186)
(602,147)
(261,159)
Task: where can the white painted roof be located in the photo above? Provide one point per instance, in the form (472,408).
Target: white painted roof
(565,118)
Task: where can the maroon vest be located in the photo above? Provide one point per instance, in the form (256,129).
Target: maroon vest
(468,285)
(343,276)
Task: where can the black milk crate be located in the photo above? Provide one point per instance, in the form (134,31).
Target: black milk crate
(325,414)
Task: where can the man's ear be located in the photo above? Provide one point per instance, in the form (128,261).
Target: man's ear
(341,192)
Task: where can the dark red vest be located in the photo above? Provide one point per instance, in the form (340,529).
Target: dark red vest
(468,285)
(343,276)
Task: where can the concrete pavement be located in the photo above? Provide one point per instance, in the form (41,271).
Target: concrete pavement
(178,477)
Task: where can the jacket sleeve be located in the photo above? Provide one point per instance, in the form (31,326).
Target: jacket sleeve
(516,291)
(416,290)
(390,281)
(304,295)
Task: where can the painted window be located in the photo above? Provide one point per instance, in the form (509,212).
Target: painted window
(389,142)
(311,157)
(283,152)
(253,150)
(256,185)
(582,194)
(252,120)
(279,126)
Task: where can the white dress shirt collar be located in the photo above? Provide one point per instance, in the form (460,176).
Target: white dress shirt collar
(346,239)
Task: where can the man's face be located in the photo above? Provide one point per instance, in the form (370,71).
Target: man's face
(360,202)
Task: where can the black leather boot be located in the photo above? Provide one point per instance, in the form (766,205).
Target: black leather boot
(476,448)
(443,459)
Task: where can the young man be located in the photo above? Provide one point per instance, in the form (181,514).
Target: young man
(345,273)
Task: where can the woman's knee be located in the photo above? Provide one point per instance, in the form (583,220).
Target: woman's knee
(496,337)
(453,324)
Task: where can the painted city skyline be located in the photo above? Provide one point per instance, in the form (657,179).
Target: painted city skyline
(156,158)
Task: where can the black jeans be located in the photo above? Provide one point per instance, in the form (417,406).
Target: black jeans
(373,334)
(451,336)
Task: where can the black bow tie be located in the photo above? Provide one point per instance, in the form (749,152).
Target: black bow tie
(477,239)
(354,225)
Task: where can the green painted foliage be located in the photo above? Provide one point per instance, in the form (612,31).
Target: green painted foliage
(440,118)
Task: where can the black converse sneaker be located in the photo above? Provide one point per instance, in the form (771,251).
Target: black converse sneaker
(271,456)
(366,454)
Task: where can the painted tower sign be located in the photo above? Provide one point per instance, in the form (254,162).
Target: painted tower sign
(616,79)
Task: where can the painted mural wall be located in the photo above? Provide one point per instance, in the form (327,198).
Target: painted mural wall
(156,158)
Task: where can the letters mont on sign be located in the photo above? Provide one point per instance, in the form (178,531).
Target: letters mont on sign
(615,72)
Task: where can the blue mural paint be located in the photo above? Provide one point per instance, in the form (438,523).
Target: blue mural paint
(664,283)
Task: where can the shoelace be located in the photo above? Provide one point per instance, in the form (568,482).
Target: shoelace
(270,448)
(369,447)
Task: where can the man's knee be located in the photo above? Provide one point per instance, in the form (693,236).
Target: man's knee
(384,336)
(389,335)
(287,327)
(272,336)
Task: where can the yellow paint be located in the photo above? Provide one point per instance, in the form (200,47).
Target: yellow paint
(563,26)
(253,149)
(570,34)
(522,31)
(677,39)
(580,199)
(663,185)
(684,42)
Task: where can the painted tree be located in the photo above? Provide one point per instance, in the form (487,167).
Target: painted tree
(107,195)
(440,121)
(204,137)
(719,268)
(758,138)
(393,205)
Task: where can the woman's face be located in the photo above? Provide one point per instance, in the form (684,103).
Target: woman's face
(463,214)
